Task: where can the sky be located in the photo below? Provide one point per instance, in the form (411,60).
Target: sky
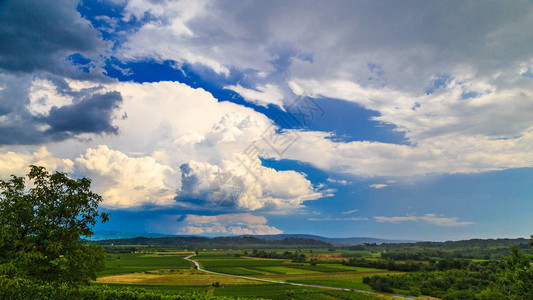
(387,119)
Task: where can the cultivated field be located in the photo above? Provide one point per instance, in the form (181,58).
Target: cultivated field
(169,272)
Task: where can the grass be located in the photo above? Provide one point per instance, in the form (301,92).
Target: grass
(283,291)
(185,277)
(350,281)
(236,271)
(240,262)
(162,289)
(137,262)
(283,270)
(169,273)
(269,291)
(332,268)
(218,255)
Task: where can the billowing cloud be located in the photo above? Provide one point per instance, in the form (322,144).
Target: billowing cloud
(464,154)
(236,185)
(39,109)
(432,219)
(126,182)
(92,114)
(43,43)
(497,112)
(399,45)
(227,224)
(173,137)
(457,100)
(38,36)
(16,163)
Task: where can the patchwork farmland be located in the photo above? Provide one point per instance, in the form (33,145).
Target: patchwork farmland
(170,272)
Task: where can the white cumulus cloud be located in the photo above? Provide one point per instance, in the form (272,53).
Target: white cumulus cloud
(126,182)
(16,163)
(227,224)
(235,185)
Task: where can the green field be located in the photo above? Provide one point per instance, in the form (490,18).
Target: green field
(267,291)
(236,271)
(283,270)
(282,291)
(351,281)
(137,262)
(243,262)
(170,273)
(331,268)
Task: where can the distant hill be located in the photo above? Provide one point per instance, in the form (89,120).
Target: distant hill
(108,235)
(115,235)
(335,241)
(217,242)
(474,243)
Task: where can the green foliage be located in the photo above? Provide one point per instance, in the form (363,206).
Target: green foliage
(42,226)
(285,255)
(519,278)
(283,291)
(424,251)
(385,264)
(29,290)
(240,263)
(509,279)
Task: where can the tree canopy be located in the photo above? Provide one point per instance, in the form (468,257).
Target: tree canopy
(43,226)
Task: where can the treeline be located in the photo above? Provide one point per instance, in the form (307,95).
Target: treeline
(295,257)
(449,284)
(426,255)
(413,266)
(472,253)
(384,264)
(508,279)
(467,249)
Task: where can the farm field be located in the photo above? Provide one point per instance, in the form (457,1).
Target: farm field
(181,277)
(168,272)
(245,291)
(126,263)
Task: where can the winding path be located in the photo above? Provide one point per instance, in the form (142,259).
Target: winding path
(292,283)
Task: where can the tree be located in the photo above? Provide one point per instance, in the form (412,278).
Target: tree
(519,279)
(43,227)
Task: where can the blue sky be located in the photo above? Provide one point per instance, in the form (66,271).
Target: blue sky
(387,119)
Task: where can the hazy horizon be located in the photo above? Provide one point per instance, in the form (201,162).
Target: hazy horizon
(311,234)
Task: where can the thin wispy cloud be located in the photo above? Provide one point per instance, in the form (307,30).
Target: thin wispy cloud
(378,185)
(432,219)
(339,219)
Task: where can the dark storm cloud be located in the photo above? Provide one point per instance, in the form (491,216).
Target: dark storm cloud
(38,35)
(91,111)
(92,114)
(49,40)
(189,180)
